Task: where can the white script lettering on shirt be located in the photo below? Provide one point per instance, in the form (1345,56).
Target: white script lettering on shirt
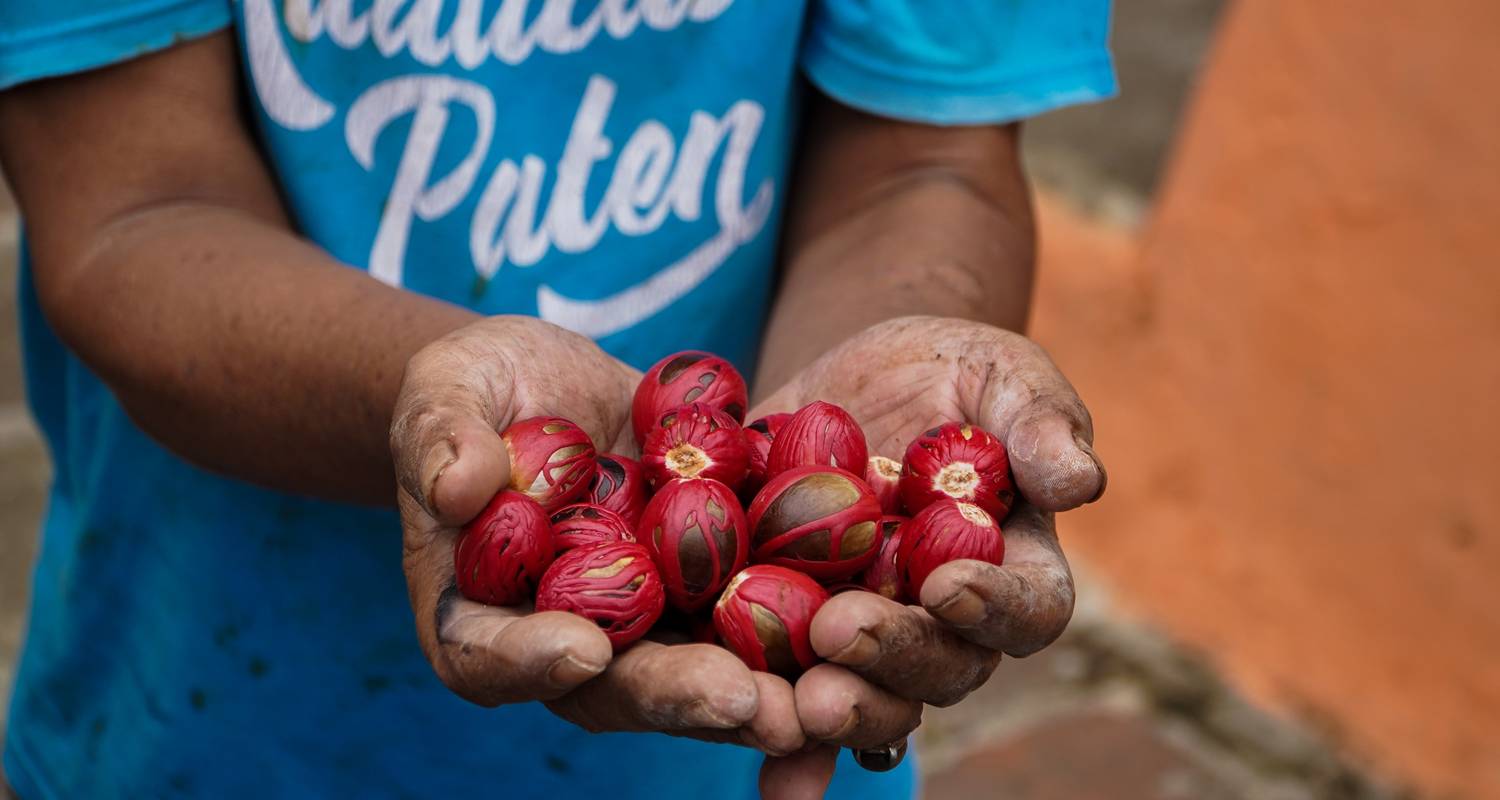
(652,178)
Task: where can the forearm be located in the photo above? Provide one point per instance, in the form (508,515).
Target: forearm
(163,258)
(890,219)
(244,349)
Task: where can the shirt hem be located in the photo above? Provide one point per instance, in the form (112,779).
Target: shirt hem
(950,102)
(108,39)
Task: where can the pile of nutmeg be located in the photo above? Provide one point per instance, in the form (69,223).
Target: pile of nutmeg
(762,522)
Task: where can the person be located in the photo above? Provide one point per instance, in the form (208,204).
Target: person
(288,264)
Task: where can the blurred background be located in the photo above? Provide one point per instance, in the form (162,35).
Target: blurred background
(1272,268)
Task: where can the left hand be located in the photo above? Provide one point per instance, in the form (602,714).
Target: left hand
(898,379)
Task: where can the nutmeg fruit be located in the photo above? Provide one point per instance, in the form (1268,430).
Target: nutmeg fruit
(696,441)
(691,376)
(944,531)
(615,586)
(957,461)
(551,460)
(884,477)
(819,434)
(883,576)
(585,524)
(759,435)
(817,520)
(765,617)
(502,552)
(619,484)
(698,535)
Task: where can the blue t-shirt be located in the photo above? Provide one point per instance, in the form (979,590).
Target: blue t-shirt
(595,163)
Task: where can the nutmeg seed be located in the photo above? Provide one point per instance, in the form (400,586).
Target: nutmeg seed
(817,520)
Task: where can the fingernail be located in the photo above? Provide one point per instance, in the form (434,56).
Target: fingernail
(567,672)
(861,651)
(1088,450)
(848,727)
(438,459)
(751,740)
(699,714)
(963,607)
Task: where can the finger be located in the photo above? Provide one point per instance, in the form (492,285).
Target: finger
(1017,608)
(839,707)
(901,648)
(1047,430)
(803,775)
(444,441)
(656,687)
(485,654)
(775,728)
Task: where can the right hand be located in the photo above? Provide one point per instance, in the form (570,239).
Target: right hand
(457,394)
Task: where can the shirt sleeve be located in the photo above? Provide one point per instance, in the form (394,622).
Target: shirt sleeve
(960,62)
(46,38)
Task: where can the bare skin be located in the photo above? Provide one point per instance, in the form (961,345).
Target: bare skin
(164,259)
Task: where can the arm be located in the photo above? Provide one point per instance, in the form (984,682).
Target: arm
(891,219)
(908,271)
(164,259)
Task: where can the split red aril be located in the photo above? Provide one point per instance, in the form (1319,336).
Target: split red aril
(765,618)
(586,524)
(944,531)
(957,461)
(619,484)
(502,552)
(817,520)
(687,377)
(616,586)
(698,535)
(551,460)
(819,434)
(696,441)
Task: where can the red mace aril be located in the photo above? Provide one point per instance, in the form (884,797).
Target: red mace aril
(697,533)
(945,531)
(765,617)
(696,441)
(687,377)
(883,577)
(615,586)
(819,434)
(884,477)
(619,485)
(551,460)
(957,461)
(817,520)
(584,524)
(759,435)
(502,552)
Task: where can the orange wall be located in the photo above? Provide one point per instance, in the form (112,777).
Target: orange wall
(1296,377)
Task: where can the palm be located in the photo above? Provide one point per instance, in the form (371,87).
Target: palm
(906,376)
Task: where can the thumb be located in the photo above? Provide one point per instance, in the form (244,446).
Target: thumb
(444,444)
(803,775)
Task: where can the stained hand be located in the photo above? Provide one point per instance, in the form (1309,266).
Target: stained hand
(898,379)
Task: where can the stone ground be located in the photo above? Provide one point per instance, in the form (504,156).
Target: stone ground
(1112,710)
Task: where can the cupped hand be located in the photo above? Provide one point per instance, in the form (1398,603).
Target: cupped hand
(898,379)
(456,395)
